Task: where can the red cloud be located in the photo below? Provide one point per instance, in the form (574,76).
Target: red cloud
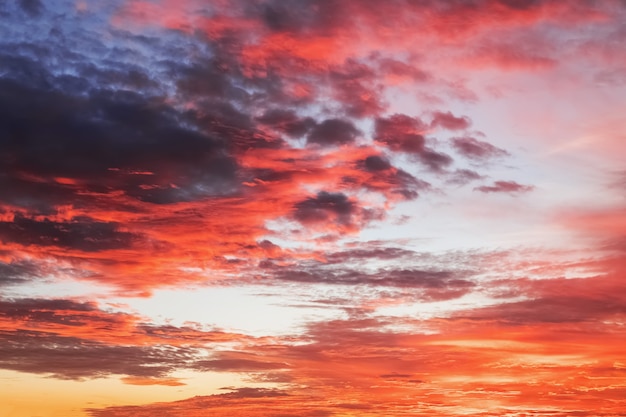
(401,133)
(449,121)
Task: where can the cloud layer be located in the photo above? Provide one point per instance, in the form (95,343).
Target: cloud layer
(337,157)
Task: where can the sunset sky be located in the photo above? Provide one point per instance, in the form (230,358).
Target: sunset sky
(312,208)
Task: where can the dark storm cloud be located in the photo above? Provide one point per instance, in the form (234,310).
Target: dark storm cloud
(99,138)
(333,132)
(82,234)
(19,67)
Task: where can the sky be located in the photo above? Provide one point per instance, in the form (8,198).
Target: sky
(312,208)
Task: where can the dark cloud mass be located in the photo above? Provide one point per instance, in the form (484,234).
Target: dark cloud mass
(324,207)
(32,7)
(98,140)
(16,272)
(73,358)
(333,132)
(27,308)
(376,163)
(82,234)
(287,122)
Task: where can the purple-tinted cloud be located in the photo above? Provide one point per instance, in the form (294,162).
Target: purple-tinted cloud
(504,187)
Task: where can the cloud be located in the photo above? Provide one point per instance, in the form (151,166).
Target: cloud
(435,161)
(88,322)
(249,401)
(18,271)
(364,251)
(391,181)
(127,133)
(40,310)
(449,121)
(476,149)
(168,382)
(151,144)
(238,363)
(73,358)
(376,163)
(82,234)
(154,128)
(71,339)
(287,122)
(464,176)
(32,7)
(504,187)
(401,133)
(356,90)
(328,209)
(427,284)
(368,368)
(333,132)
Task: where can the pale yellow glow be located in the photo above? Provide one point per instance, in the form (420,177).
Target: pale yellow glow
(27,395)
